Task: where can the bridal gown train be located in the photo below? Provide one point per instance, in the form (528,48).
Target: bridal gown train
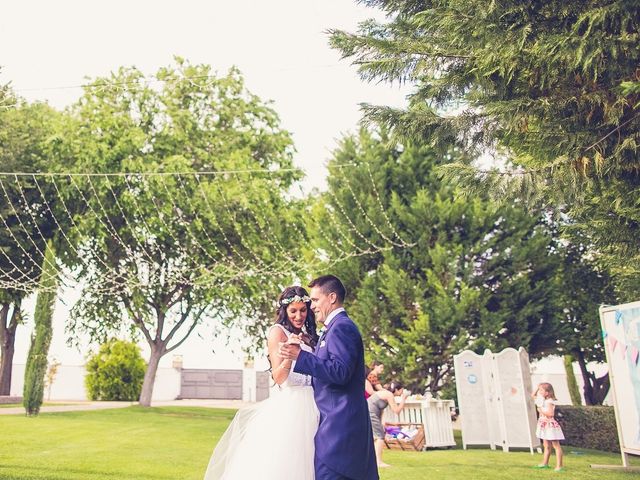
(273,439)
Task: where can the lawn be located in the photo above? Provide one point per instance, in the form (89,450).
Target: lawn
(175,443)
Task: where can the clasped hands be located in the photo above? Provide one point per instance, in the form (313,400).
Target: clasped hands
(290,349)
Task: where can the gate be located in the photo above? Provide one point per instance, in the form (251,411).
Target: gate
(211,384)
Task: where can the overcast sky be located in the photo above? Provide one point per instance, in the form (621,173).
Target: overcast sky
(280,47)
(48,48)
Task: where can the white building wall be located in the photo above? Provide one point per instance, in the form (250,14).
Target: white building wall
(68,383)
(167,386)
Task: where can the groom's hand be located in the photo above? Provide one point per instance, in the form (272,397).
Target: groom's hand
(289,351)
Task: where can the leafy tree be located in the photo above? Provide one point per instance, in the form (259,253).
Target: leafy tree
(116,372)
(36,368)
(26,223)
(455,273)
(165,248)
(551,87)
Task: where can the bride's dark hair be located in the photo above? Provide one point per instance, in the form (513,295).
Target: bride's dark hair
(283,319)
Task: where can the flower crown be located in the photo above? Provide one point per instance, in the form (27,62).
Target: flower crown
(296,298)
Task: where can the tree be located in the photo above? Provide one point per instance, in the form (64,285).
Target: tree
(455,273)
(50,377)
(174,226)
(551,87)
(572,384)
(25,221)
(115,372)
(586,286)
(36,367)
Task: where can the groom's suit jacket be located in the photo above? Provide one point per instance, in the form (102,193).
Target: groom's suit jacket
(344,441)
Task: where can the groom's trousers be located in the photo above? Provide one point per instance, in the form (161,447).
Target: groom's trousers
(325,473)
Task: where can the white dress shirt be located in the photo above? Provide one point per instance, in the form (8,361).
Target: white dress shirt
(332,315)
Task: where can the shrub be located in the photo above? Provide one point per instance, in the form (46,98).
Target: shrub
(116,372)
(589,427)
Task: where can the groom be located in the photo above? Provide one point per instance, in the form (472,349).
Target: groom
(344,441)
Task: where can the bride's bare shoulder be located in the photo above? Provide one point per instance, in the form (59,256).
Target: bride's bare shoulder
(276,333)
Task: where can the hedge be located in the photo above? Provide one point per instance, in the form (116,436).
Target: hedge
(589,427)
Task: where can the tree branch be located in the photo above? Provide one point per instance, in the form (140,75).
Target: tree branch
(183,318)
(196,320)
(137,319)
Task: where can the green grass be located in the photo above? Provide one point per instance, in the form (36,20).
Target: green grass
(176,442)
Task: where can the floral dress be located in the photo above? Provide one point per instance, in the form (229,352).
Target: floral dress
(548,427)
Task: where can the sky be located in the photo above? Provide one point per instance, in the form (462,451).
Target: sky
(48,49)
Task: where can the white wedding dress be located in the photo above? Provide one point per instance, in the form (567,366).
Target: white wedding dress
(273,439)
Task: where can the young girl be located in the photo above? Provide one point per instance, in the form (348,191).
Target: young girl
(548,429)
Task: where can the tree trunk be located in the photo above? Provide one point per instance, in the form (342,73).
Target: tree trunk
(8,326)
(595,389)
(7,350)
(434,382)
(587,388)
(157,351)
(600,388)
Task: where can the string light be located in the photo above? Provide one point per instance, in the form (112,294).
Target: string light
(116,283)
(19,219)
(211,241)
(364,213)
(353,228)
(74,225)
(345,236)
(383,210)
(59,273)
(286,258)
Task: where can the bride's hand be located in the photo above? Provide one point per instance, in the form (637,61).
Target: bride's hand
(291,349)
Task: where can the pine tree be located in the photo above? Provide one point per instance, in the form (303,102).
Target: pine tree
(574,392)
(456,272)
(550,87)
(36,368)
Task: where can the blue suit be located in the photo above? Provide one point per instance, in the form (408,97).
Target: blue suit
(344,441)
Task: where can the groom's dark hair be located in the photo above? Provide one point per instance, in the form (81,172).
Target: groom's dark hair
(330,284)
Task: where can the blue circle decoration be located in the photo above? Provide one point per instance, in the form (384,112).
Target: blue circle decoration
(472,379)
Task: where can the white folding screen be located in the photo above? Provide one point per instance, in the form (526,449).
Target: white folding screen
(494,397)
(471,385)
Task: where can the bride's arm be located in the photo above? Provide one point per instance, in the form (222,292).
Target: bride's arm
(279,368)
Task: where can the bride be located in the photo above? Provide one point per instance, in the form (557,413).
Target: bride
(255,444)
